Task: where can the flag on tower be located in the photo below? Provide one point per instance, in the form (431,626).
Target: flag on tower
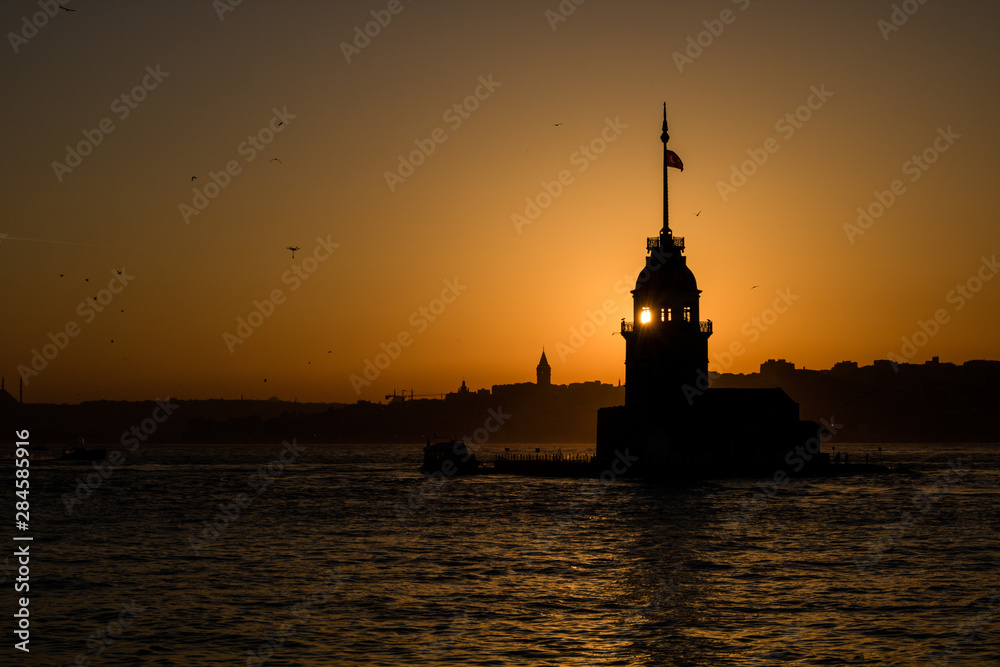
(673,160)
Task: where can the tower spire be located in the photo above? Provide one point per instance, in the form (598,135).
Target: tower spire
(665,137)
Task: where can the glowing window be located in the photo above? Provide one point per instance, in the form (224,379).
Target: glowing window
(670,314)
(687,314)
(645,316)
(663,314)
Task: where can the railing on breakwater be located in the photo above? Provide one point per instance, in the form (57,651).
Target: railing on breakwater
(553,463)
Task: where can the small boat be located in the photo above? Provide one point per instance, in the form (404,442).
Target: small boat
(80,453)
(449,458)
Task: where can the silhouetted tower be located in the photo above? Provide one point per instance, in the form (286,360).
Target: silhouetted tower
(543,371)
(666,347)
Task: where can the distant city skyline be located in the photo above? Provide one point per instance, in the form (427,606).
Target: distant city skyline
(466,184)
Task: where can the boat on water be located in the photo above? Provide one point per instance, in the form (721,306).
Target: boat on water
(82,454)
(450,457)
(79,453)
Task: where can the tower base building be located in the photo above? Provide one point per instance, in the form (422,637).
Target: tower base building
(672,421)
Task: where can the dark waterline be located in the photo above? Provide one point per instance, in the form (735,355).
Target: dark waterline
(348,556)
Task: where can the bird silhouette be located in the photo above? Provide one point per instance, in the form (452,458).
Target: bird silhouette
(274,159)
(755,287)
(557,124)
(293,249)
(67,9)
(697,214)
(61,275)
(86,280)
(194,178)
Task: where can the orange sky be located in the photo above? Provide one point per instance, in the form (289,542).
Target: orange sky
(391,245)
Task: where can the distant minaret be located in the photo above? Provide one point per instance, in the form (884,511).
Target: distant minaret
(543,371)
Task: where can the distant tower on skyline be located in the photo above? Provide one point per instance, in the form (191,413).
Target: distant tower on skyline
(543,371)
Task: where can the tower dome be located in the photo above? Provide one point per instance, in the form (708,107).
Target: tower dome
(666,346)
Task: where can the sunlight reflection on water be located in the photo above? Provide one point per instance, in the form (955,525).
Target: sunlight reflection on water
(505,570)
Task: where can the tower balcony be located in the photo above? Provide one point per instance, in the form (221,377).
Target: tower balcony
(629,327)
(653,242)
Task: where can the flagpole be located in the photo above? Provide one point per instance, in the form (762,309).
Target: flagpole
(665,137)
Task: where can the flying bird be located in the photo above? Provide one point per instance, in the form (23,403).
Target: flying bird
(274,159)
(557,124)
(293,249)
(194,178)
(67,9)
(755,287)
(697,214)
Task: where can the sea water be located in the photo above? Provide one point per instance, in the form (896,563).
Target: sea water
(346,555)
